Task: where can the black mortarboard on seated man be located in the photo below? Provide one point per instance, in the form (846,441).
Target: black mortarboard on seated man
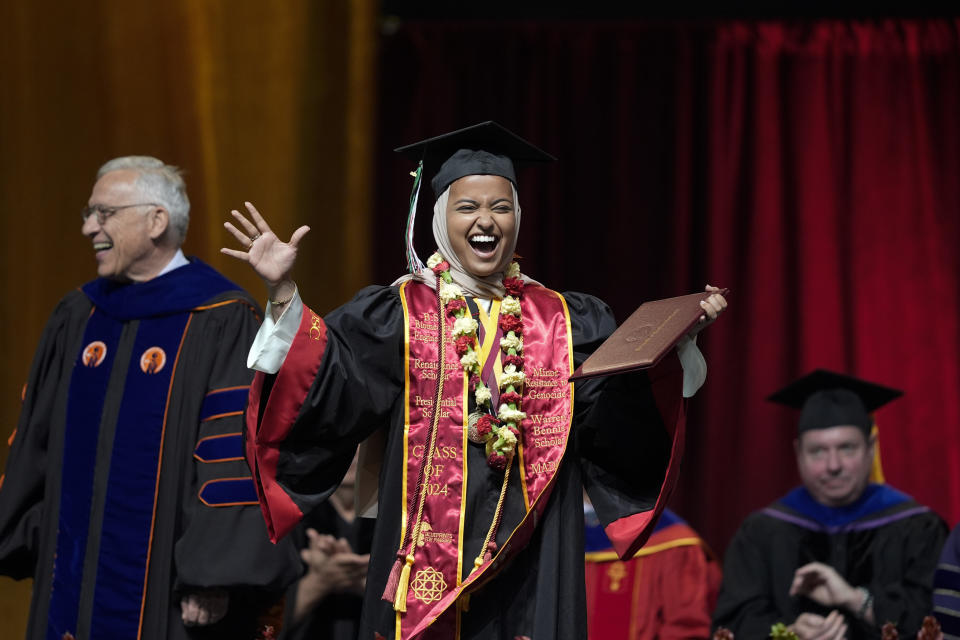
(482,149)
(828,399)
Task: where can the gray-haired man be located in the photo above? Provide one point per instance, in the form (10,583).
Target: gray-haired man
(126,496)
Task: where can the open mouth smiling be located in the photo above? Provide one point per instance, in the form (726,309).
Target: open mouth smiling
(484,244)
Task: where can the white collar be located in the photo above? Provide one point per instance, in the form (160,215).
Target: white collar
(178,260)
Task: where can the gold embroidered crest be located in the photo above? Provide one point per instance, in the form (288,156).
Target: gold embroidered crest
(428,585)
(617,572)
(315,331)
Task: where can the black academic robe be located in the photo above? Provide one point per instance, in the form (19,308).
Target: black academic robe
(884,541)
(622,448)
(946,587)
(337,617)
(126,484)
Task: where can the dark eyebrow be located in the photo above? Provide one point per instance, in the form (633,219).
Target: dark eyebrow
(499,200)
(467,200)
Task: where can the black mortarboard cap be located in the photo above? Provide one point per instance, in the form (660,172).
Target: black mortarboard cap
(482,149)
(828,399)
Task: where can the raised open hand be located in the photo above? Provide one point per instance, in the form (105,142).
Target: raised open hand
(270,257)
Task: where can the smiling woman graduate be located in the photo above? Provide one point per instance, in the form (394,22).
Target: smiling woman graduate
(462,366)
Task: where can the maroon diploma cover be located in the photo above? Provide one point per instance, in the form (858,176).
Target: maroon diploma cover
(646,336)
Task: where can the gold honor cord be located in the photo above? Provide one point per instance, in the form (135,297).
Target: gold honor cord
(497,515)
(491,533)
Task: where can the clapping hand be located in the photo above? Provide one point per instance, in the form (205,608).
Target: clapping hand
(821,583)
(332,567)
(810,626)
(203,607)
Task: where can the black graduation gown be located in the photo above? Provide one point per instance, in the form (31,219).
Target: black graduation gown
(885,542)
(337,617)
(620,450)
(147,478)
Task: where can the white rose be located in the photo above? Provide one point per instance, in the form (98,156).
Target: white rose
(465,326)
(508,438)
(482,394)
(515,378)
(449,291)
(434,260)
(513,270)
(510,305)
(508,342)
(469,359)
(507,414)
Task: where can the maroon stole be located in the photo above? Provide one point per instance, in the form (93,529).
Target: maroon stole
(439,555)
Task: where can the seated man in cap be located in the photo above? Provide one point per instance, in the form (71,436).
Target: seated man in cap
(837,557)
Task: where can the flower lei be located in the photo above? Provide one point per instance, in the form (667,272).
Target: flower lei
(498,432)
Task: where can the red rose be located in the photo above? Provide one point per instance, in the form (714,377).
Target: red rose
(455,305)
(474,380)
(513,429)
(516,361)
(510,323)
(485,423)
(514,286)
(441,267)
(497,461)
(511,397)
(463,344)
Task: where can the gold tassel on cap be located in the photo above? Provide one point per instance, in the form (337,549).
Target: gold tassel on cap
(876,469)
(400,602)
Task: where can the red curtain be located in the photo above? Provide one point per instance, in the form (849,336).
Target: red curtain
(813,167)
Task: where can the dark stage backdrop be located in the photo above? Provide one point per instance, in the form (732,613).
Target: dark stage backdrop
(810,166)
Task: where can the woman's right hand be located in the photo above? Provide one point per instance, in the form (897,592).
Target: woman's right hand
(270,257)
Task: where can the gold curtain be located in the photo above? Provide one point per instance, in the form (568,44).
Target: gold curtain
(270,102)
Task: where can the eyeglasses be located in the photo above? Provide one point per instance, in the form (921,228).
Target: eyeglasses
(105,212)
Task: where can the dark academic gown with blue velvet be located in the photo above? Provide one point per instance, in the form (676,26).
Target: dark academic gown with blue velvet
(126,482)
(946,587)
(344,378)
(885,541)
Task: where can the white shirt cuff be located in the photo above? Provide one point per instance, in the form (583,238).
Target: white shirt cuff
(694,366)
(274,339)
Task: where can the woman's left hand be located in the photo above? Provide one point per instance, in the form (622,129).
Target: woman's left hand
(712,308)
